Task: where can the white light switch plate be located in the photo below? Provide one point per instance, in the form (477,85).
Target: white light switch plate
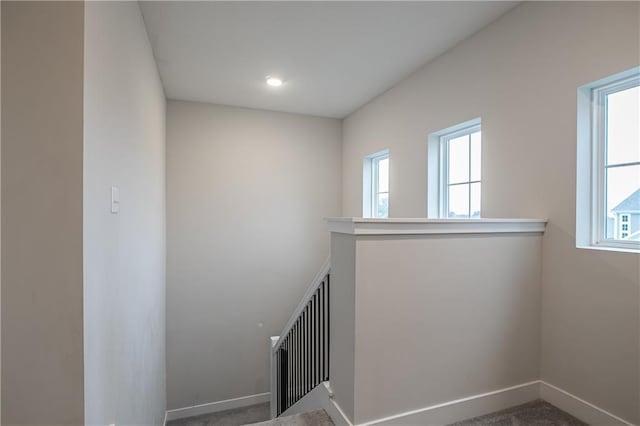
(115,200)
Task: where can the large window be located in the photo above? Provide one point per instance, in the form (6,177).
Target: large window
(455,172)
(608,210)
(375,191)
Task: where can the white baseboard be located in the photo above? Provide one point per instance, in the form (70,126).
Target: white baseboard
(478,405)
(464,408)
(578,407)
(213,407)
(439,414)
(319,398)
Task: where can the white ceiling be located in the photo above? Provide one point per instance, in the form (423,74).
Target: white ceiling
(333,56)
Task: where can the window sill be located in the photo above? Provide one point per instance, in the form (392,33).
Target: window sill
(418,226)
(613,248)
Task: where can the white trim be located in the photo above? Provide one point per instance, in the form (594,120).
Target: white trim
(485,403)
(396,226)
(464,408)
(336,413)
(438,166)
(578,407)
(319,278)
(273,407)
(591,214)
(370,182)
(214,407)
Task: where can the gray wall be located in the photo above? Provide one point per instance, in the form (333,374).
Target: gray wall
(465,319)
(124,258)
(247,191)
(521,75)
(0,211)
(42,65)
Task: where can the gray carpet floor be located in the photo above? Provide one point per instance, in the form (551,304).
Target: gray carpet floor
(535,413)
(236,417)
(313,418)
(257,415)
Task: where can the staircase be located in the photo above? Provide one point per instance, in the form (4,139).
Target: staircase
(300,355)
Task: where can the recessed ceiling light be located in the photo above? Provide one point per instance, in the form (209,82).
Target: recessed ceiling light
(274,81)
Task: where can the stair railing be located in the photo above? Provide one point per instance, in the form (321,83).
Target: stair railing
(300,356)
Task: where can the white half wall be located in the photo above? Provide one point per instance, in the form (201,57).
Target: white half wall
(521,75)
(247,191)
(124,253)
(438,318)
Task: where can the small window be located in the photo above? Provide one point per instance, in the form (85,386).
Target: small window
(375,190)
(455,172)
(609,162)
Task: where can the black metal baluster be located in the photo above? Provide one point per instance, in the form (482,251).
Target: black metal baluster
(290,372)
(285,361)
(291,358)
(288,376)
(321,336)
(299,361)
(308,353)
(297,364)
(289,368)
(310,361)
(312,385)
(315,339)
(283,378)
(325,324)
(313,304)
(314,346)
(318,357)
(302,361)
(299,393)
(328,280)
(303,356)
(326,329)
(309,348)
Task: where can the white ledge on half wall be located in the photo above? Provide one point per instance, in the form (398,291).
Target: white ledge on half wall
(420,226)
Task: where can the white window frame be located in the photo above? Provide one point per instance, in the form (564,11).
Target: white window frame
(370,190)
(438,168)
(591,213)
